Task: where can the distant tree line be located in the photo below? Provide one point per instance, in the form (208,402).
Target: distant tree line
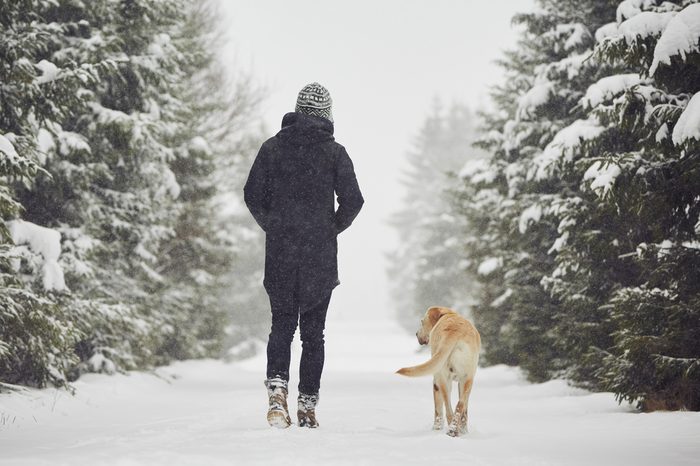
(123,147)
(583,229)
(425,268)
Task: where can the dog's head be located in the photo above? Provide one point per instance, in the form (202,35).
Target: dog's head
(428,321)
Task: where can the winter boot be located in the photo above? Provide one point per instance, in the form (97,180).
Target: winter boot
(306,413)
(277,415)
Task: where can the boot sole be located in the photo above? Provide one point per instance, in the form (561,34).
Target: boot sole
(278,420)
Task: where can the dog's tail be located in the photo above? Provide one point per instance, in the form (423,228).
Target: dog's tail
(432,365)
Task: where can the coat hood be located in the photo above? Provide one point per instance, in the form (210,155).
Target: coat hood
(300,129)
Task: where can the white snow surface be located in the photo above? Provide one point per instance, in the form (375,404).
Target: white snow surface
(680,37)
(608,87)
(44,241)
(211,413)
(688,125)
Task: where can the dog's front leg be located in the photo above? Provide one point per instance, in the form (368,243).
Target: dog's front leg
(437,398)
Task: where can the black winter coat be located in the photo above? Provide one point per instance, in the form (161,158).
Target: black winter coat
(291,192)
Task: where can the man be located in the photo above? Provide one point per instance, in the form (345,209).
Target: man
(291,192)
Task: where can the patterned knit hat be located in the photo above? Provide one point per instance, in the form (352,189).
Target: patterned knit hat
(315,99)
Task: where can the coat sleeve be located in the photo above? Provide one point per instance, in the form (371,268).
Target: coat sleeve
(350,198)
(257,189)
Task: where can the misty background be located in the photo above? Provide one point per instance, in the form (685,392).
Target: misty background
(388,65)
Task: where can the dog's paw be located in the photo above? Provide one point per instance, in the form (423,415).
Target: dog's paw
(454,430)
(437,425)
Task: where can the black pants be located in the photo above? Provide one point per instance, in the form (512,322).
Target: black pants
(312,322)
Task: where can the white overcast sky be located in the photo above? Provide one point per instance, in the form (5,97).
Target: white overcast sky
(384,62)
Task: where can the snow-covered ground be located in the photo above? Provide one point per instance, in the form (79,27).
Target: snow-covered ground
(211,413)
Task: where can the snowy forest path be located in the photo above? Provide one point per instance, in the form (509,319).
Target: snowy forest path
(210,413)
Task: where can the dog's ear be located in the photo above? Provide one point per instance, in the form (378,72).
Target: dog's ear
(434,314)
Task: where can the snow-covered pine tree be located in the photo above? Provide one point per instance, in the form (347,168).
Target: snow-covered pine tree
(110,109)
(639,182)
(111,192)
(608,190)
(425,270)
(511,204)
(36,334)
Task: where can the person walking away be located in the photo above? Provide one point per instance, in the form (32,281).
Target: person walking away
(291,192)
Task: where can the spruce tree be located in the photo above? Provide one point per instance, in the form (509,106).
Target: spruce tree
(584,225)
(514,202)
(36,334)
(646,185)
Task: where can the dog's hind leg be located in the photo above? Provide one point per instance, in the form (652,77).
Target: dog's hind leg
(445,391)
(459,422)
(439,411)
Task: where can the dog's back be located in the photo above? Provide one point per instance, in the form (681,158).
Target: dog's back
(455,344)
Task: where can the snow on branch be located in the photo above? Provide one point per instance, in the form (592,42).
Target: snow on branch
(49,72)
(7,148)
(680,37)
(532,214)
(602,176)
(629,8)
(538,96)
(645,24)
(478,171)
(688,125)
(607,88)
(565,142)
(489,265)
(578,35)
(502,298)
(570,67)
(605,31)
(46,242)
(11,163)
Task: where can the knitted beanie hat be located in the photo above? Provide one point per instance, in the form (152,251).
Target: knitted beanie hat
(315,99)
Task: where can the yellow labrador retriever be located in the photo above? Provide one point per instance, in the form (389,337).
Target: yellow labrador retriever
(454,344)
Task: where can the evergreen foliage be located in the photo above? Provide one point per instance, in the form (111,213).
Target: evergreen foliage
(119,125)
(584,225)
